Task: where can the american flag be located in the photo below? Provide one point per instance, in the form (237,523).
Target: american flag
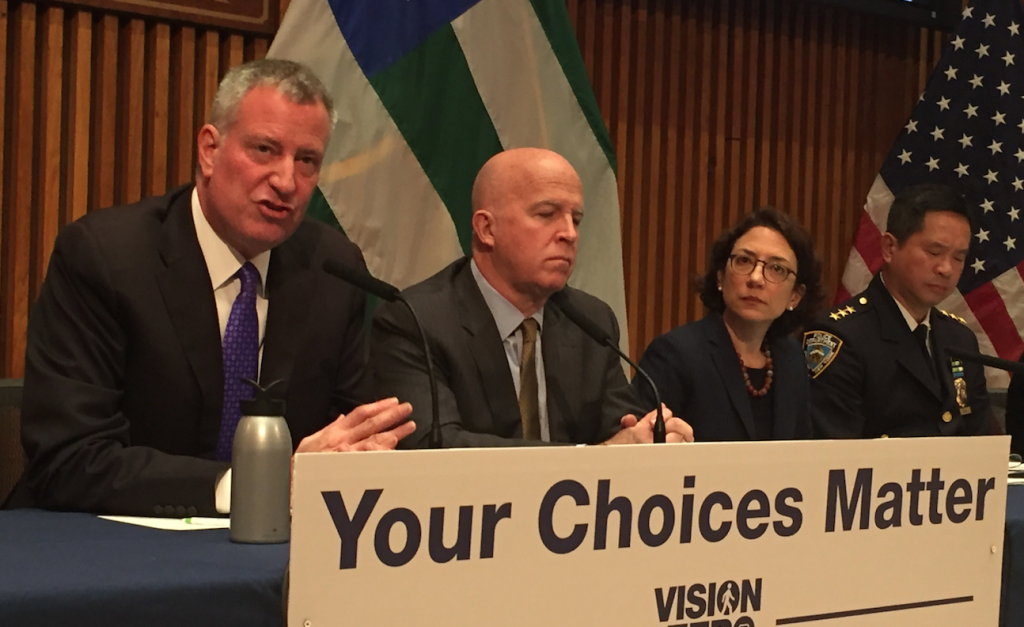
(967,128)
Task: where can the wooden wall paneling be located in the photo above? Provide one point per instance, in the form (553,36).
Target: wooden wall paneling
(623,146)
(232,53)
(734,200)
(825,121)
(132,79)
(156,101)
(256,48)
(50,99)
(104,120)
(836,146)
(805,182)
(78,94)
(702,224)
(763,73)
(606,63)
(4,98)
(798,113)
(207,76)
(688,159)
(780,99)
(653,181)
(718,161)
(843,239)
(20,161)
(669,295)
(750,29)
(182,105)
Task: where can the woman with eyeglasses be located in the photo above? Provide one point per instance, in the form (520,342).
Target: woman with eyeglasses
(738,373)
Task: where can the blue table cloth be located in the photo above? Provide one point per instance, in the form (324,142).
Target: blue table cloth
(1012,614)
(76,569)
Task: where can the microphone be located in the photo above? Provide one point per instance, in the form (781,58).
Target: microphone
(387,292)
(603,337)
(362,280)
(993,362)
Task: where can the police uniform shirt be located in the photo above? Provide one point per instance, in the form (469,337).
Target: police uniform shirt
(871,378)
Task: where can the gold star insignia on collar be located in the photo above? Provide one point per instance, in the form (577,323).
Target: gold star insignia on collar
(953,316)
(842,313)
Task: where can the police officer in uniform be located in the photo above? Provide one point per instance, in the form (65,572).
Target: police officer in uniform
(878,362)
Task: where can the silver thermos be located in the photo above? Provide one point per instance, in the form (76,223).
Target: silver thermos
(261,472)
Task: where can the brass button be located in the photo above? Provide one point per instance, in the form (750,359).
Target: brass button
(946,416)
(863,301)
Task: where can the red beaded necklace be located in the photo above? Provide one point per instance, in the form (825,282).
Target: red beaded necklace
(767,378)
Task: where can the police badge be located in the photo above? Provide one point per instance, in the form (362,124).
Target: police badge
(820,348)
(960,386)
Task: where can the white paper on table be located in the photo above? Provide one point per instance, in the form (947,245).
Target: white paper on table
(173,524)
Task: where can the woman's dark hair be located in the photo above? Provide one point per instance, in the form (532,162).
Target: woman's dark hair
(808,268)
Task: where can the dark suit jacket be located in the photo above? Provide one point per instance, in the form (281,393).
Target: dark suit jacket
(879,382)
(1015,412)
(698,375)
(123,374)
(587,392)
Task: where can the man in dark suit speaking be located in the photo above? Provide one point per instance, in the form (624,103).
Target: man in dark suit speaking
(152,313)
(512,369)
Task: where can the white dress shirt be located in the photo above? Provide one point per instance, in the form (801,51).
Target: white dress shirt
(223,262)
(912,323)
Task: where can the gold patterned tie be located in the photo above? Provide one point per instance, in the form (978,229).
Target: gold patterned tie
(529,409)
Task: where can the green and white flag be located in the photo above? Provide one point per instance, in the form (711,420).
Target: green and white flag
(426,92)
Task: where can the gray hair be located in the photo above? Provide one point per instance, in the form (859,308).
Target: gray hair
(295,81)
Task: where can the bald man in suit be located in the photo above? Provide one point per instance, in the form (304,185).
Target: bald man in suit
(512,369)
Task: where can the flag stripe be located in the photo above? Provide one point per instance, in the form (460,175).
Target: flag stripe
(955,303)
(878,201)
(869,243)
(404,230)
(554,19)
(431,96)
(855,277)
(319,209)
(531,103)
(381,32)
(988,308)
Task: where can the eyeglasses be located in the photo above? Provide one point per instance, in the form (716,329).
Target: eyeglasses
(774,271)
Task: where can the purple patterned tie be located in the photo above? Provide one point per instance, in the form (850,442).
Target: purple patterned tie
(241,357)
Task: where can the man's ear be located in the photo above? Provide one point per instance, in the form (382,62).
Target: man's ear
(889,246)
(207,144)
(483,227)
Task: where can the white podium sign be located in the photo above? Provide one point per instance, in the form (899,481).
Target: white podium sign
(829,533)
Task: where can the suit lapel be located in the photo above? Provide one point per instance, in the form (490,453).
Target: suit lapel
(723,354)
(289,292)
(485,345)
(188,296)
(562,381)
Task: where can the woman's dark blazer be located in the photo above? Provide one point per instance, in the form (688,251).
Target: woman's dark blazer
(698,374)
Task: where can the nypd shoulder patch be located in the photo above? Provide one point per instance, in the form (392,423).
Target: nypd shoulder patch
(820,349)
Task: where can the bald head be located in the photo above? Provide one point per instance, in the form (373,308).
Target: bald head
(527,205)
(516,172)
